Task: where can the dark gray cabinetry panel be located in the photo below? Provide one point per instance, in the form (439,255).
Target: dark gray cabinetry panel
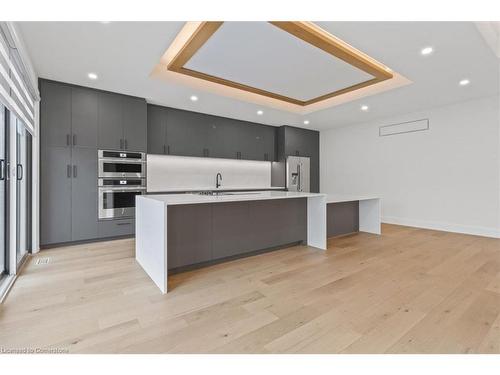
(187,133)
(116,228)
(84,194)
(278,222)
(157,125)
(55,114)
(342,218)
(55,195)
(200,233)
(189,234)
(134,124)
(110,121)
(231,229)
(294,141)
(84,109)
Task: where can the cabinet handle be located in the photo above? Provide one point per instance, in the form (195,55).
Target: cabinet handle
(164,149)
(168,150)
(238,155)
(2,169)
(297,153)
(123,223)
(19,172)
(68,140)
(74,171)
(68,170)
(266,156)
(126,144)
(74,139)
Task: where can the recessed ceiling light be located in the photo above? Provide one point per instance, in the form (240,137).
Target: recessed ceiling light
(306,122)
(193,98)
(427,51)
(92,76)
(260,112)
(364,108)
(105,22)
(464,82)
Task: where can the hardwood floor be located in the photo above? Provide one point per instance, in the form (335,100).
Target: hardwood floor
(407,291)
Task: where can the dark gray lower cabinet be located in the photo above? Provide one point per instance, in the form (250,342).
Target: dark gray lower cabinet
(278,222)
(189,234)
(231,229)
(116,228)
(55,195)
(342,218)
(84,194)
(201,233)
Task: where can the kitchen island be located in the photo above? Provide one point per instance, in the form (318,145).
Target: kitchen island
(178,231)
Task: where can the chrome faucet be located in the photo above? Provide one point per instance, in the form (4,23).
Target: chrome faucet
(218,180)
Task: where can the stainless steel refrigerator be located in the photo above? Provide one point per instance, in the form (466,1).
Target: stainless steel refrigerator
(298,173)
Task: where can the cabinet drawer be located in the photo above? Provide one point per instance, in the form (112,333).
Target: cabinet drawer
(114,228)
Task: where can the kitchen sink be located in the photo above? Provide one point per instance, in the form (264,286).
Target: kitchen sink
(216,193)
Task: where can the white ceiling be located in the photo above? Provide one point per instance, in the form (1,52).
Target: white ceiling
(261,55)
(123,54)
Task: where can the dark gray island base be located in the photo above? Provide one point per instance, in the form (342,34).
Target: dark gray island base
(209,233)
(177,232)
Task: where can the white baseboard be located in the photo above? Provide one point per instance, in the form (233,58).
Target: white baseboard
(446,227)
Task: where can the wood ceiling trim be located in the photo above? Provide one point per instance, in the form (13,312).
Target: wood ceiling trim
(306,31)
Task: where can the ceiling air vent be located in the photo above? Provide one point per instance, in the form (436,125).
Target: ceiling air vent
(404,127)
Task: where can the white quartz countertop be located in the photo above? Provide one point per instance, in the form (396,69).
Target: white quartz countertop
(175,199)
(223,188)
(338,198)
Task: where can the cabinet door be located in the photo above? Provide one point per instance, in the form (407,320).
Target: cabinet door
(110,121)
(157,123)
(189,234)
(224,138)
(84,194)
(257,142)
(84,109)
(187,133)
(230,229)
(55,194)
(134,124)
(55,114)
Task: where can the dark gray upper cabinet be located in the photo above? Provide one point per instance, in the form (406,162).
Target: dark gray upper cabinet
(134,124)
(84,194)
(110,121)
(187,133)
(84,110)
(55,114)
(157,125)
(55,195)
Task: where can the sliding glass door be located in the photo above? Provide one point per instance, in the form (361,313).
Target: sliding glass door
(4,259)
(23,190)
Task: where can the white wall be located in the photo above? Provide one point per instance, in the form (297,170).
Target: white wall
(175,173)
(445,178)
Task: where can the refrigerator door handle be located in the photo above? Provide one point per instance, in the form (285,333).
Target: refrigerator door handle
(299,178)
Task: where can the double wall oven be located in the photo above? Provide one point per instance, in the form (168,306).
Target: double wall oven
(121,176)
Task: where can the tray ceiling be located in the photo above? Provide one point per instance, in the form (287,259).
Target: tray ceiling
(293,62)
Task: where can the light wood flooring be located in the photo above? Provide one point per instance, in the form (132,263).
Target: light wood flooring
(407,291)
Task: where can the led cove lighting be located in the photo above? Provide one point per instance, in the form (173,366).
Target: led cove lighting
(306,122)
(426,51)
(464,82)
(92,76)
(193,98)
(260,112)
(364,108)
